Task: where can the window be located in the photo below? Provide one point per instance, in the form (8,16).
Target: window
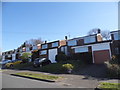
(27,49)
(44,46)
(72,43)
(116,36)
(43,52)
(55,44)
(81,49)
(117,50)
(34,47)
(63,49)
(89,39)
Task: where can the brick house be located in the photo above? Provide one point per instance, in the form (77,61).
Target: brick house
(90,49)
(51,49)
(115,43)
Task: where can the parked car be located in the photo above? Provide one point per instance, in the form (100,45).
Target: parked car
(14,62)
(4,62)
(39,62)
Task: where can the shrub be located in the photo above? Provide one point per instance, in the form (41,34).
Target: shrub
(113,70)
(67,67)
(60,57)
(25,57)
(115,59)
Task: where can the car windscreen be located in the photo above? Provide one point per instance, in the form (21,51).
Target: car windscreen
(42,59)
(37,59)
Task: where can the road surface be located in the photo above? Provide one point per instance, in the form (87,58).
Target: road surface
(9,81)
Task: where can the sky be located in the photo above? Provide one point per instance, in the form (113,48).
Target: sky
(52,21)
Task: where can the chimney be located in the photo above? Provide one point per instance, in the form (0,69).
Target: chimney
(45,41)
(66,37)
(99,31)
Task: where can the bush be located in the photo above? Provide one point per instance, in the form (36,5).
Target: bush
(67,68)
(61,57)
(25,57)
(23,65)
(115,59)
(113,70)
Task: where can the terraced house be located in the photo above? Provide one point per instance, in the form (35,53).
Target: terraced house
(51,49)
(90,48)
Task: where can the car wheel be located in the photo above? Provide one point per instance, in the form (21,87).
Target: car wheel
(21,63)
(11,66)
(40,65)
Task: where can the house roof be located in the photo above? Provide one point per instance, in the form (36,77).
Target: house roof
(115,31)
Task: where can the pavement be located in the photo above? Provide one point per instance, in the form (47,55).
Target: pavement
(69,81)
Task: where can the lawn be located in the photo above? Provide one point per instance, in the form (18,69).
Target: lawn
(110,86)
(23,65)
(38,76)
(57,67)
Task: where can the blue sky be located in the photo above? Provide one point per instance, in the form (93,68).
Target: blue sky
(51,21)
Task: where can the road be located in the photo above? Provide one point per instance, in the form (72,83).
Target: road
(9,81)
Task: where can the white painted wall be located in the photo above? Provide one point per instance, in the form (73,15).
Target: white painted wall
(81,49)
(101,46)
(3,58)
(51,54)
(98,46)
(13,56)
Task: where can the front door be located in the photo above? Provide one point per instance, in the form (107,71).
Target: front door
(52,53)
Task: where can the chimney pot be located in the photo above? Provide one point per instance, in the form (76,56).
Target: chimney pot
(66,37)
(45,42)
(99,31)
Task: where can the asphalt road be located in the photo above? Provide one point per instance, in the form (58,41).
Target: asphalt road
(9,81)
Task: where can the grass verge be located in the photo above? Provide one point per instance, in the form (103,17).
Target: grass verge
(110,86)
(38,76)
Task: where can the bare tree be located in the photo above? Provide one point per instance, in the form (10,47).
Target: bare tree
(105,34)
(38,41)
(34,42)
(93,31)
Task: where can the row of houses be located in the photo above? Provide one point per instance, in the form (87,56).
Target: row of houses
(90,48)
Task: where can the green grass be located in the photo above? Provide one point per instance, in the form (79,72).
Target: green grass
(110,86)
(57,67)
(38,76)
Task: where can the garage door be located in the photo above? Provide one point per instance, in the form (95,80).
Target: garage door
(101,56)
(52,53)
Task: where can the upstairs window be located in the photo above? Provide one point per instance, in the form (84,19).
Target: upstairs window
(89,39)
(43,52)
(44,46)
(116,36)
(34,47)
(72,43)
(55,44)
